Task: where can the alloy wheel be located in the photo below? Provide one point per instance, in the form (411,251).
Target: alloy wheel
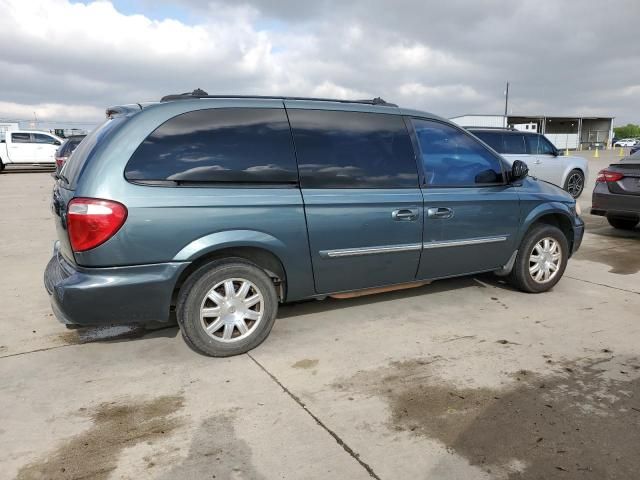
(575,184)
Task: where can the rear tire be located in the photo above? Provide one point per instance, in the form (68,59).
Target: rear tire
(227,307)
(574,183)
(622,223)
(541,260)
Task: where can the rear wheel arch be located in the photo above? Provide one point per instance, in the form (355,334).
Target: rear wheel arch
(266,260)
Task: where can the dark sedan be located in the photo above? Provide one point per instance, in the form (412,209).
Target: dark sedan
(617,193)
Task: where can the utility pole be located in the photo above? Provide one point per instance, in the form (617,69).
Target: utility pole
(506,104)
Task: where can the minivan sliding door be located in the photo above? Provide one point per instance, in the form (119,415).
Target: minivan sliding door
(361,196)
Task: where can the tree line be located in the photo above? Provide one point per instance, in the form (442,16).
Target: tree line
(630,130)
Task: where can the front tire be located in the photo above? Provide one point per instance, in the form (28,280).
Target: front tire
(541,260)
(226,308)
(574,183)
(622,223)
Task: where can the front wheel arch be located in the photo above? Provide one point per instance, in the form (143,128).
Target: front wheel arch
(558,220)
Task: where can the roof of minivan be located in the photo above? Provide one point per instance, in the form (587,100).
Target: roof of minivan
(265,102)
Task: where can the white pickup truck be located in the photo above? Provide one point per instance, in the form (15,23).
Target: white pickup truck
(28,147)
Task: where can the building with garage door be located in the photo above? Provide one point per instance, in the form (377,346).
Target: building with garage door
(564,132)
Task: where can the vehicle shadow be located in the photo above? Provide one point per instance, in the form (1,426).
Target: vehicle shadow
(128,332)
(599,226)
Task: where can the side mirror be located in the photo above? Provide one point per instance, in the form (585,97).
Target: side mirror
(519,170)
(57,142)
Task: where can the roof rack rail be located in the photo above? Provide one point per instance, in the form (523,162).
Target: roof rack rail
(198,93)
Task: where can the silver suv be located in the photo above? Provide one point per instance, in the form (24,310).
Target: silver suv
(544,160)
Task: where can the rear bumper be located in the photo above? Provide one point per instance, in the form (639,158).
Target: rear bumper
(606,203)
(99,296)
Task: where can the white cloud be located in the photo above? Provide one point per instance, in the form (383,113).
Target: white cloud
(44,111)
(72,60)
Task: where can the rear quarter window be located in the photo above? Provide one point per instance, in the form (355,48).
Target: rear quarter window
(221,145)
(514,144)
(493,139)
(21,138)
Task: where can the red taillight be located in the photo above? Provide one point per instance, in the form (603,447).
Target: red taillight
(60,161)
(608,176)
(91,222)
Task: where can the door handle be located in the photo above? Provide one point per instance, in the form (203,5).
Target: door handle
(537,162)
(405,214)
(439,212)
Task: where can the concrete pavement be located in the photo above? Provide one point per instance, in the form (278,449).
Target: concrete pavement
(463,378)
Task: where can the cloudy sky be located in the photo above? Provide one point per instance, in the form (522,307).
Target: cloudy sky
(68,60)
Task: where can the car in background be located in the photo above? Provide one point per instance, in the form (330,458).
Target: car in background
(635,149)
(626,142)
(544,160)
(28,148)
(617,193)
(66,149)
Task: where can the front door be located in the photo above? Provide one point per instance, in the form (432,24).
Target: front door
(362,200)
(471,213)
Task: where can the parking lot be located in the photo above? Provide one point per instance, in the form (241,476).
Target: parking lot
(460,379)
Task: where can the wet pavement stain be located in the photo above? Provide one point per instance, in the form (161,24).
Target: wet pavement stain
(217,453)
(101,334)
(94,453)
(620,261)
(580,421)
(305,364)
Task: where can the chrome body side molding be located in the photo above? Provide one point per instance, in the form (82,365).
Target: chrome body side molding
(353,252)
(462,243)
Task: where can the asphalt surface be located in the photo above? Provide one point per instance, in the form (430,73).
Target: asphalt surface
(459,379)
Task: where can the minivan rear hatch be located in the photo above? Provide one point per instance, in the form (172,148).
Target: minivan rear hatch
(67,179)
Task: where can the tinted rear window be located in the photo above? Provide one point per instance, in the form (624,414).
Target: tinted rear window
(21,138)
(73,167)
(514,144)
(69,146)
(353,150)
(493,139)
(236,145)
